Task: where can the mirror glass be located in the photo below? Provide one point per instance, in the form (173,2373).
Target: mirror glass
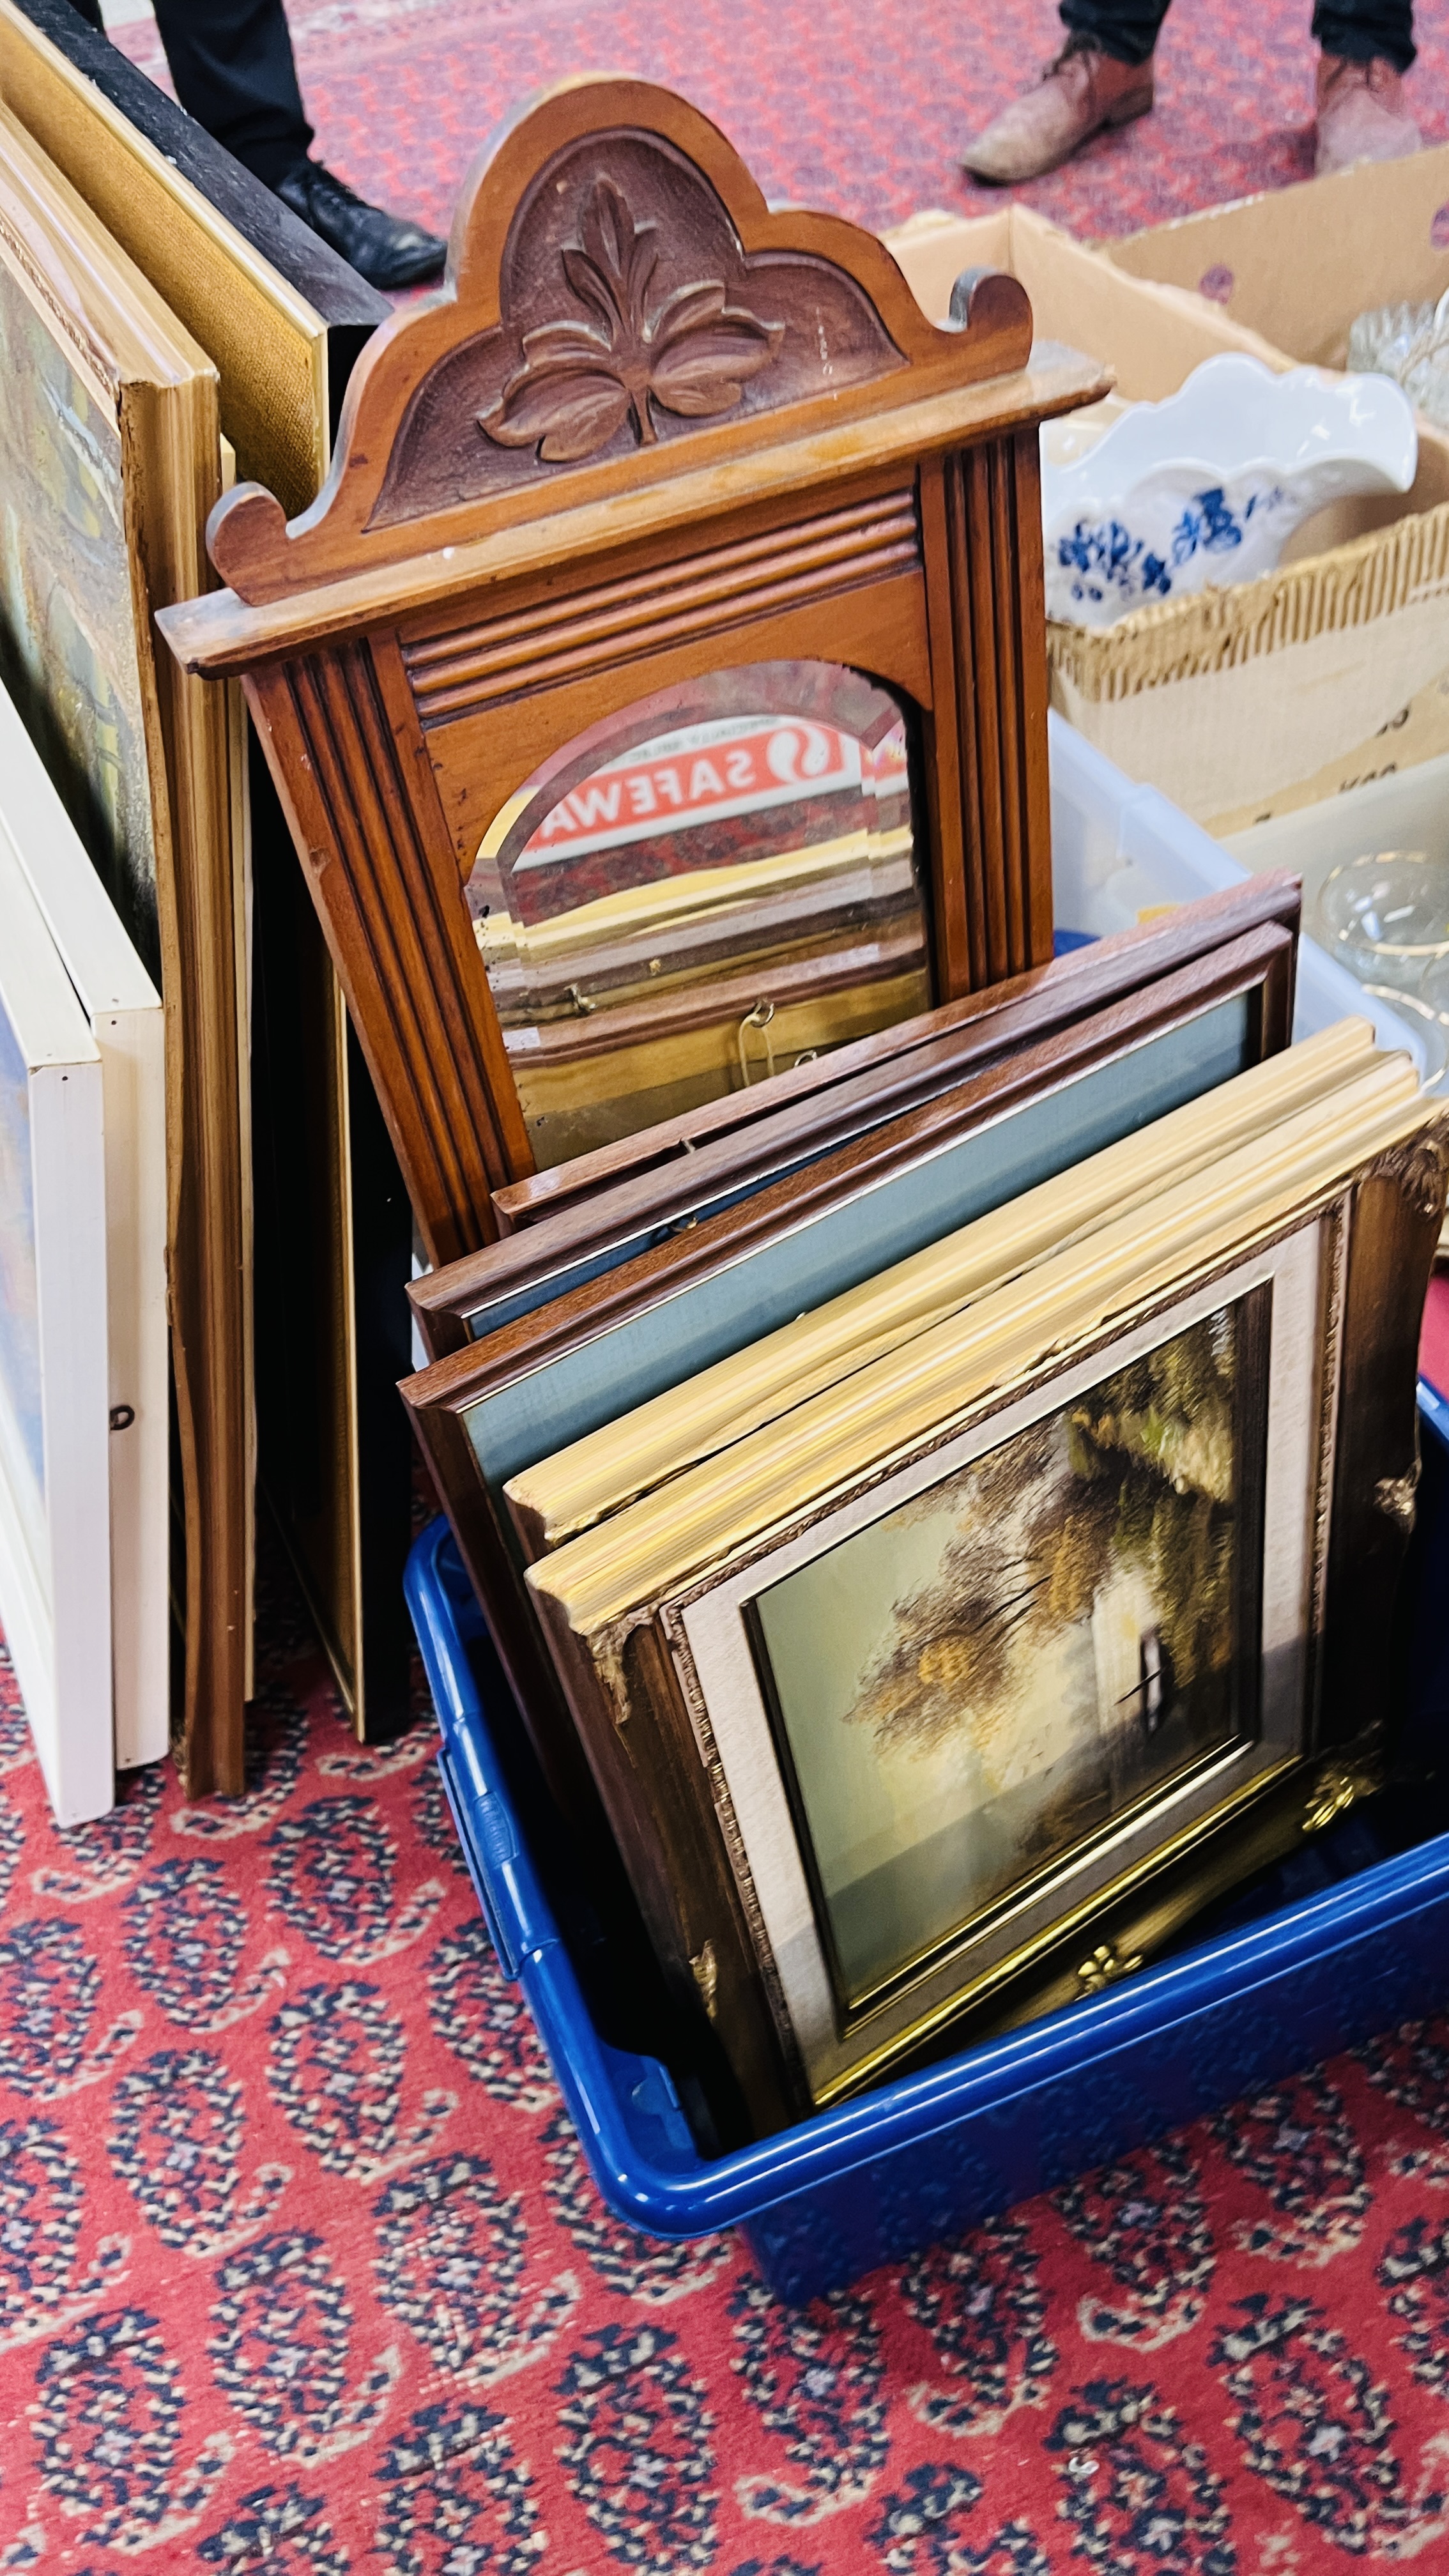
(715,884)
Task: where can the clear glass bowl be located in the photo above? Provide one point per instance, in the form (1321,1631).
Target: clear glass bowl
(1386,915)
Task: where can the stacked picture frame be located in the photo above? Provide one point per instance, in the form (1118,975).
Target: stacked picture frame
(283,320)
(549,1334)
(654,1384)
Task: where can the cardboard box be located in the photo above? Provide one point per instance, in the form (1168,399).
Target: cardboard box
(1299,264)
(1244,701)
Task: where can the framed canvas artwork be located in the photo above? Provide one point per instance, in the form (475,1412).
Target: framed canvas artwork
(55,1522)
(122,1010)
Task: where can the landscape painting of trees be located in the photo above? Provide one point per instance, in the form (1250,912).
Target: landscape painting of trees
(1005,1666)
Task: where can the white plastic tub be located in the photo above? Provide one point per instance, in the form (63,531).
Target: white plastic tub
(1121,852)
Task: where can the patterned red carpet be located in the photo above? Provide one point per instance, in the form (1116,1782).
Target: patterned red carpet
(853,105)
(300,2272)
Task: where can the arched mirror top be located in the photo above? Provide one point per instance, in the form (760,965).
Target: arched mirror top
(618,289)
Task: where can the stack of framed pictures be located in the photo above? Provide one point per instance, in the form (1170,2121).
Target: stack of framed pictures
(961,1550)
(84,1537)
(327,1230)
(112,452)
(617,1298)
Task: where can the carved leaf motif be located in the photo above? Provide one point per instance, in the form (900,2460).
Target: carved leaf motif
(582,379)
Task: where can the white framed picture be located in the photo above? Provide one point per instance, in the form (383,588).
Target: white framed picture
(97,985)
(55,1522)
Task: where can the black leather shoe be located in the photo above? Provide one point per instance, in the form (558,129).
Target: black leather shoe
(384,249)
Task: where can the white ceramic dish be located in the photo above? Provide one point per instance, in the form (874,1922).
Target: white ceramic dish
(1208,486)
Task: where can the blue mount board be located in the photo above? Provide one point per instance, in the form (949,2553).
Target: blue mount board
(934,2153)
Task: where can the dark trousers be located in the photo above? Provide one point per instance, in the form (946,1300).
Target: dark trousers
(232,63)
(1358,28)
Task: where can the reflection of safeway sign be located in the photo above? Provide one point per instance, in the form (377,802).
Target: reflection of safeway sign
(706,772)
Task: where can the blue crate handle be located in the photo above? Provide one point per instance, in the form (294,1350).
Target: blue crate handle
(519,1917)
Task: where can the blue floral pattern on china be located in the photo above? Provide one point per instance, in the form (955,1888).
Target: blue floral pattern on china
(1207,486)
(1102,557)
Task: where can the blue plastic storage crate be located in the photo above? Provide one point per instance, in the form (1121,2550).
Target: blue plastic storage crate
(933,2153)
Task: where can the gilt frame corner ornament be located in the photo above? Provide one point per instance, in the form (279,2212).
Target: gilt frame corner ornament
(649,432)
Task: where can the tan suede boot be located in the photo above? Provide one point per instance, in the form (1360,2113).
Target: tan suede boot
(1361,114)
(1077,95)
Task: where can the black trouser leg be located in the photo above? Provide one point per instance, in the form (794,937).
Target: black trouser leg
(90,10)
(1126,28)
(1360,29)
(234,71)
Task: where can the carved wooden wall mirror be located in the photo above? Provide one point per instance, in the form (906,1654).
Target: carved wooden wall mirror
(663,488)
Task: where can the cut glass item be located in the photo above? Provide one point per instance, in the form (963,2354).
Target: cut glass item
(1386,914)
(122,1010)
(1208,486)
(55,1523)
(1409,342)
(1433,993)
(710,887)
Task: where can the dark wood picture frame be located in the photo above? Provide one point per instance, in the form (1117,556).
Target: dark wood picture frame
(505,554)
(1033,1004)
(676,1176)
(1257,965)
